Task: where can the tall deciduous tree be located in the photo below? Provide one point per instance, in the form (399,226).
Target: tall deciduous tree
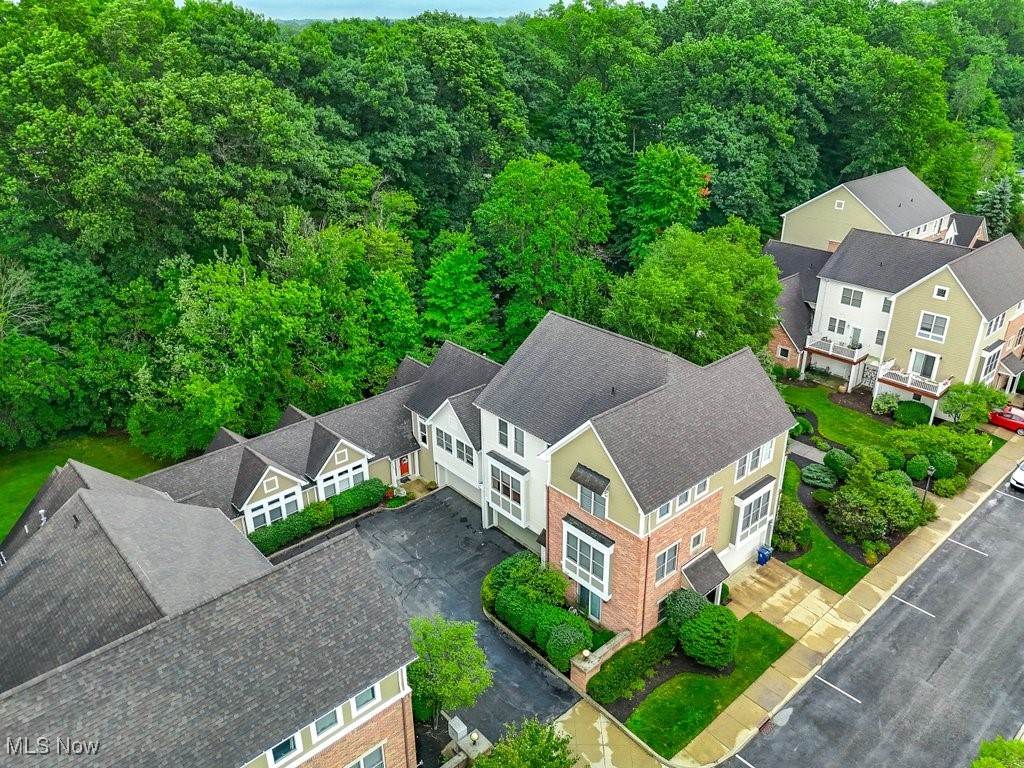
(1000,753)
(451,671)
(540,219)
(533,745)
(969,404)
(457,301)
(701,296)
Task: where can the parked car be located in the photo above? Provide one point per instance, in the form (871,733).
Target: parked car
(1017,478)
(1009,418)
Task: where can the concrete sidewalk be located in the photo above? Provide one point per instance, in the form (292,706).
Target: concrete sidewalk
(819,619)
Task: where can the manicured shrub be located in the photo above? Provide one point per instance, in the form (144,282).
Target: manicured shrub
(853,513)
(820,443)
(514,607)
(792,373)
(917,467)
(778,371)
(565,642)
(515,569)
(366,494)
(397,501)
(547,586)
(944,463)
(895,457)
(840,462)
(910,413)
(271,538)
(681,606)
(949,487)
(885,404)
(823,496)
(802,427)
(725,593)
(874,551)
(818,476)
(897,478)
(623,674)
(900,507)
(547,617)
(320,514)
(710,638)
(790,525)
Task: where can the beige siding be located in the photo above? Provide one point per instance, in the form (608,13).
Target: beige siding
(239,523)
(426,452)
(586,449)
(283,484)
(726,480)
(309,496)
(818,222)
(390,689)
(381,469)
(343,456)
(957,352)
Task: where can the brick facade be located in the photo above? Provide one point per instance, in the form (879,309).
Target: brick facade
(781,339)
(1010,336)
(633,604)
(392,726)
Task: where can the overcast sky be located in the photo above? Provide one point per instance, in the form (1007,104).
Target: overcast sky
(395,9)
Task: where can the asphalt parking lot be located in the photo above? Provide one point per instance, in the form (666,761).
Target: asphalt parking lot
(939,667)
(437,555)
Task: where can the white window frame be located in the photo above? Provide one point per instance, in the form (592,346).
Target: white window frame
(503,433)
(661,563)
(421,428)
(372,701)
(338,718)
(783,352)
(840,205)
(943,296)
(444,441)
(837,326)
(601,586)
(588,502)
(361,762)
(518,441)
(267,487)
(995,324)
(887,305)
(932,335)
(879,337)
(988,368)
(278,502)
(464,452)
(762,522)
(664,512)
(755,460)
(851,297)
(935,369)
(1020,337)
(342,479)
(684,499)
(498,500)
(297,738)
(701,489)
(697,540)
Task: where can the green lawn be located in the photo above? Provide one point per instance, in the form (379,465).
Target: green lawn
(679,709)
(836,423)
(23,471)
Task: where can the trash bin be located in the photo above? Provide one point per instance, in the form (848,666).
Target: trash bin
(763,555)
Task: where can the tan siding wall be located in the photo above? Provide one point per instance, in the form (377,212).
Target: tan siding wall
(586,449)
(309,496)
(959,349)
(726,480)
(283,484)
(381,469)
(349,456)
(818,222)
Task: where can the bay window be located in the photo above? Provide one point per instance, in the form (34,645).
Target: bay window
(586,560)
(506,493)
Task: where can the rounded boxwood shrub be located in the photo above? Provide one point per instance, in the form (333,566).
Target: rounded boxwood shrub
(802,427)
(948,487)
(910,413)
(818,476)
(792,373)
(823,496)
(885,403)
(710,638)
(565,642)
(840,462)
(681,606)
(790,525)
(515,569)
(895,457)
(547,617)
(624,673)
(320,514)
(897,478)
(517,610)
(944,463)
(366,494)
(917,467)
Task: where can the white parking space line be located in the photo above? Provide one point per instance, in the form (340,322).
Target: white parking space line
(1011,495)
(961,544)
(922,610)
(836,687)
(740,758)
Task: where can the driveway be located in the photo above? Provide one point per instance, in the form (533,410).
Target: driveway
(437,555)
(938,668)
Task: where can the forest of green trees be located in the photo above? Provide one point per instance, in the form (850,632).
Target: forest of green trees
(205,217)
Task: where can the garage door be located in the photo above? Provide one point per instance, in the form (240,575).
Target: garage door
(456,483)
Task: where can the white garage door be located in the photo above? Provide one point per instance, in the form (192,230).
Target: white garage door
(463,487)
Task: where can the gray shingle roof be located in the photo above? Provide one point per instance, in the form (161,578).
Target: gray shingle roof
(589,478)
(566,372)
(453,370)
(900,199)
(794,314)
(380,424)
(291,415)
(688,429)
(206,481)
(469,414)
(993,275)
(409,371)
(221,683)
(705,572)
(106,564)
(887,263)
(1013,364)
(322,445)
(223,439)
(251,468)
(798,260)
(968,228)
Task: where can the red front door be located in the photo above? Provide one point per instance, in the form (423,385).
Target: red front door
(403,466)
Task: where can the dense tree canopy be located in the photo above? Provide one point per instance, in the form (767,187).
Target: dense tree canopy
(205,214)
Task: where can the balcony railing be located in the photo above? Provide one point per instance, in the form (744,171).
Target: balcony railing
(837,349)
(889,374)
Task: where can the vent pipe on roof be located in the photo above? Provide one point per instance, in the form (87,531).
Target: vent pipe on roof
(3,560)
(42,517)
(77,521)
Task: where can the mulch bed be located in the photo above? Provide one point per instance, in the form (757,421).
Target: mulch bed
(429,743)
(674,664)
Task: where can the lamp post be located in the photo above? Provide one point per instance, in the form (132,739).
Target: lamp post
(474,737)
(927,485)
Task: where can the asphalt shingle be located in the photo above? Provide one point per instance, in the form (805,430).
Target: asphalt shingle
(900,199)
(993,275)
(453,370)
(409,371)
(794,314)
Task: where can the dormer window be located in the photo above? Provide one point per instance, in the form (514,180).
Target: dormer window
(840,204)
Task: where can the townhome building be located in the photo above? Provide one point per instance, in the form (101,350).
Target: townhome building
(144,632)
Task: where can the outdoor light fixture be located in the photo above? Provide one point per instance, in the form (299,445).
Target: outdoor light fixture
(586,653)
(474,737)
(927,485)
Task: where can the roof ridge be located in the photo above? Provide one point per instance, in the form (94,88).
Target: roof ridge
(609,333)
(172,617)
(448,342)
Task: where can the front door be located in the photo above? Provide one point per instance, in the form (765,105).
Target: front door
(923,364)
(854,337)
(403,466)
